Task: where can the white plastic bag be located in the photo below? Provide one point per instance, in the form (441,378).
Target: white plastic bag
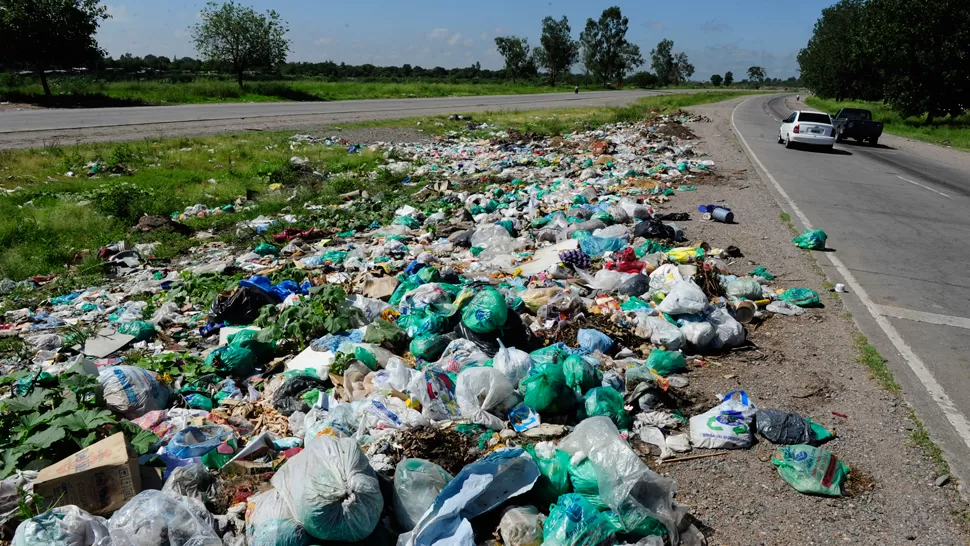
(521,526)
(512,362)
(269,522)
(663,333)
(481,390)
(494,238)
(665,277)
(62,526)
(153,517)
(685,298)
(331,489)
(698,332)
(416,484)
(725,426)
(728,332)
(132,391)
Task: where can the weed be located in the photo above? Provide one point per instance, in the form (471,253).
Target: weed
(921,439)
(870,357)
(785,217)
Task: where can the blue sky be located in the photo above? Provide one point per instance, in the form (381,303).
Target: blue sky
(717,35)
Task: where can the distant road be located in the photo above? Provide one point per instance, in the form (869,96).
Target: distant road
(31,128)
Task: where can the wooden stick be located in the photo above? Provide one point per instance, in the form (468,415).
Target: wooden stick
(692,457)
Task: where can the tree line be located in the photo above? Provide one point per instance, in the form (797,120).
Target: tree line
(912,54)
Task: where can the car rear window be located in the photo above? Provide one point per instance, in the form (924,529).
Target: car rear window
(857,114)
(809,117)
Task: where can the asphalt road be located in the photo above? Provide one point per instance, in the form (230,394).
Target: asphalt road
(899,237)
(29,128)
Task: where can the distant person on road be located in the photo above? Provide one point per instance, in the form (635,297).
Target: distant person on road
(798,98)
(577,90)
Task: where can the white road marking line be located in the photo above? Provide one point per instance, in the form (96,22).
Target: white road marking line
(925,376)
(922,316)
(922,186)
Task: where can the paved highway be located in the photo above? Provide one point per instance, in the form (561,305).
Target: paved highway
(899,231)
(35,127)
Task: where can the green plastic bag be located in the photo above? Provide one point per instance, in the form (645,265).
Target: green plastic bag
(811,239)
(762,271)
(634,303)
(422,322)
(222,454)
(509,227)
(580,375)
(573,521)
(544,390)
(487,312)
(407,222)
(143,331)
(250,340)
(609,402)
(233,360)
(554,472)
(429,346)
(582,476)
(428,274)
(647,527)
(811,470)
(540,222)
(408,283)
(666,362)
(802,297)
(548,355)
(604,217)
(366,357)
(266,249)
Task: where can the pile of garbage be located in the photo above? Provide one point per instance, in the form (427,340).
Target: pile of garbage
(476,368)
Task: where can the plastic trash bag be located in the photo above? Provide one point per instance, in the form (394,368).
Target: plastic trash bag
(521,526)
(487,312)
(785,308)
(685,298)
(482,391)
(534,298)
(515,364)
(666,362)
(460,353)
(480,487)
(192,442)
(143,331)
(697,331)
(727,331)
(581,376)
(637,285)
(436,392)
(607,401)
(748,289)
(62,526)
(594,341)
(582,476)
(153,517)
(132,391)
(595,247)
(554,467)
(573,521)
(811,470)
(193,481)
(664,334)
(665,277)
(331,489)
(725,426)
(625,483)
(416,484)
(429,346)
(811,239)
(494,239)
(269,522)
(782,427)
(242,306)
(545,390)
(802,297)
(564,304)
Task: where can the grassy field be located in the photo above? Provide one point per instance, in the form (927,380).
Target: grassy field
(74,91)
(948,131)
(50,222)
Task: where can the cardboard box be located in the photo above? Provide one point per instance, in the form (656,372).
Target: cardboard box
(99,479)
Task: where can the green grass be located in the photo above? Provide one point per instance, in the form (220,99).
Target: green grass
(90,92)
(870,357)
(921,439)
(948,131)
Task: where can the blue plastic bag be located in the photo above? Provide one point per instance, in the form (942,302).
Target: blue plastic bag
(197,441)
(595,247)
(592,341)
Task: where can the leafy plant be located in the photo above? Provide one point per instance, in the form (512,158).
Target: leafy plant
(325,312)
(170,365)
(201,289)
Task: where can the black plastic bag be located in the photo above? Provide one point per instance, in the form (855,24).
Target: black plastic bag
(654,229)
(513,334)
(242,307)
(674,217)
(786,428)
(636,285)
(287,399)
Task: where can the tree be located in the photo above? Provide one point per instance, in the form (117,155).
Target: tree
(515,51)
(558,51)
(608,54)
(757,74)
(728,78)
(716,79)
(662,61)
(236,36)
(839,60)
(41,35)
(684,69)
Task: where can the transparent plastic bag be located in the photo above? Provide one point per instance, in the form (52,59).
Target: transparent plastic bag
(132,391)
(331,489)
(62,526)
(416,484)
(480,391)
(521,526)
(685,298)
(515,364)
(269,522)
(727,331)
(153,517)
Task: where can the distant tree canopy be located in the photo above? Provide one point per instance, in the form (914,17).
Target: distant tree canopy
(606,52)
(914,54)
(670,67)
(558,52)
(716,80)
(241,39)
(41,35)
(728,78)
(757,74)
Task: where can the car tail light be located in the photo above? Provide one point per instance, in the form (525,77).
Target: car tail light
(795,130)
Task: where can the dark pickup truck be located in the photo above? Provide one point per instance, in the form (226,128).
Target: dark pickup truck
(856,123)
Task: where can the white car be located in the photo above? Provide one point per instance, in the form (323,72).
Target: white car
(813,128)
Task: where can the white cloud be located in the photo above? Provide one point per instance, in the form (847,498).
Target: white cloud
(119,14)
(468,42)
(326,40)
(437,33)
(454,39)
